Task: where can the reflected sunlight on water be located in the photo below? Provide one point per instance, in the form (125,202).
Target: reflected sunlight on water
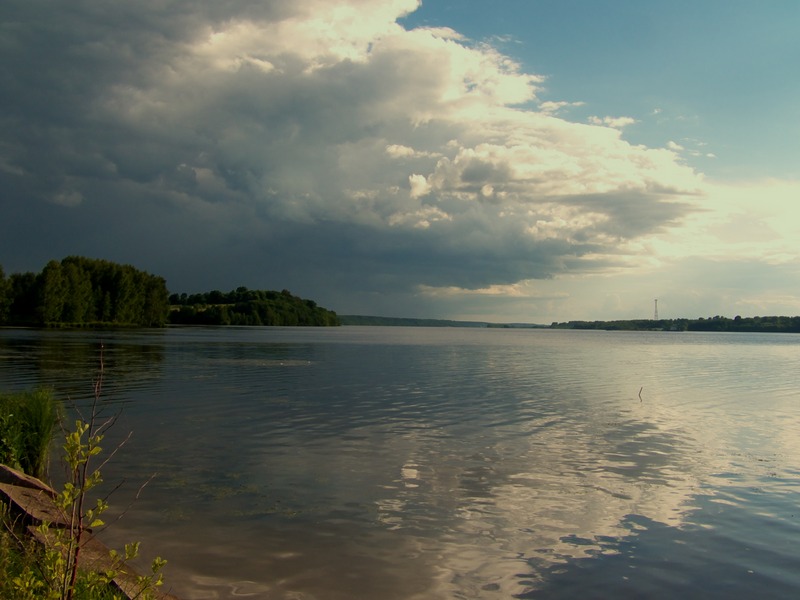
(403,463)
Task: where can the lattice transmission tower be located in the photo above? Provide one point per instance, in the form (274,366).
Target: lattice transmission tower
(655,312)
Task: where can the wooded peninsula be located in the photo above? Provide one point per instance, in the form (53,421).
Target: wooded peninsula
(249,307)
(85,292)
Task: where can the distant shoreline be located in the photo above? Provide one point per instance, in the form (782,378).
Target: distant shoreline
(365,320)
(770,324)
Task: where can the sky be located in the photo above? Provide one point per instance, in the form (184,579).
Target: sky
(499,160)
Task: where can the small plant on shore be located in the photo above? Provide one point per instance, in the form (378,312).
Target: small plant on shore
(27,423)
(55,570)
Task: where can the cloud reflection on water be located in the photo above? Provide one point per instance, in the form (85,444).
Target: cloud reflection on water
(453,464)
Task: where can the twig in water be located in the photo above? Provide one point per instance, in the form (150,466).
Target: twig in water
(640,393)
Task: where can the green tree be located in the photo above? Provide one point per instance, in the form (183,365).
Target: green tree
(52,293)
(124,294)
(78,299)
(24,299)
(156,302)
(5,296)
(216,297)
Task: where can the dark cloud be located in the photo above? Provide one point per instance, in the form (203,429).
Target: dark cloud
(630,214)
(267,144)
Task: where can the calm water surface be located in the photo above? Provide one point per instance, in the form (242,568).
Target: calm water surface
(405,463)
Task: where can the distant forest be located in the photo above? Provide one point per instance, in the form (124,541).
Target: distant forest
(371,321)
(84,292)
(249,307)
(717,323)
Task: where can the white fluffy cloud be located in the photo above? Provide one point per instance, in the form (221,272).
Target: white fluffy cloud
(616,122)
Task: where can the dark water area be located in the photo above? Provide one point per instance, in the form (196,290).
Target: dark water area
(416,463)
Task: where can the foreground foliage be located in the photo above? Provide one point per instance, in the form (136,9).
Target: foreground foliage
(50,564)
(27,423)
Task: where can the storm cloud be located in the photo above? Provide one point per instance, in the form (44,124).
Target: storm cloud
(316,146)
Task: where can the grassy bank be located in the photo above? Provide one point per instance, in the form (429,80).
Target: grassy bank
(27,424)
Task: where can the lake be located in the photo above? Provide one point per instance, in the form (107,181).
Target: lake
(443,463)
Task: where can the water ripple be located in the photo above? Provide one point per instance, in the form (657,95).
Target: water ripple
(411,464)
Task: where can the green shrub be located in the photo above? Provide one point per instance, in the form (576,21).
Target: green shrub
(53,569)
(27,423)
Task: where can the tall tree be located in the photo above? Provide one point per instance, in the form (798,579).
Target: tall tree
(156,302)
(78,301)
(24,299)
(5,296)
(52,293)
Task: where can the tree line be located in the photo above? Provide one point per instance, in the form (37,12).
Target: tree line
(249,307)
(80,291)
(770,324)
